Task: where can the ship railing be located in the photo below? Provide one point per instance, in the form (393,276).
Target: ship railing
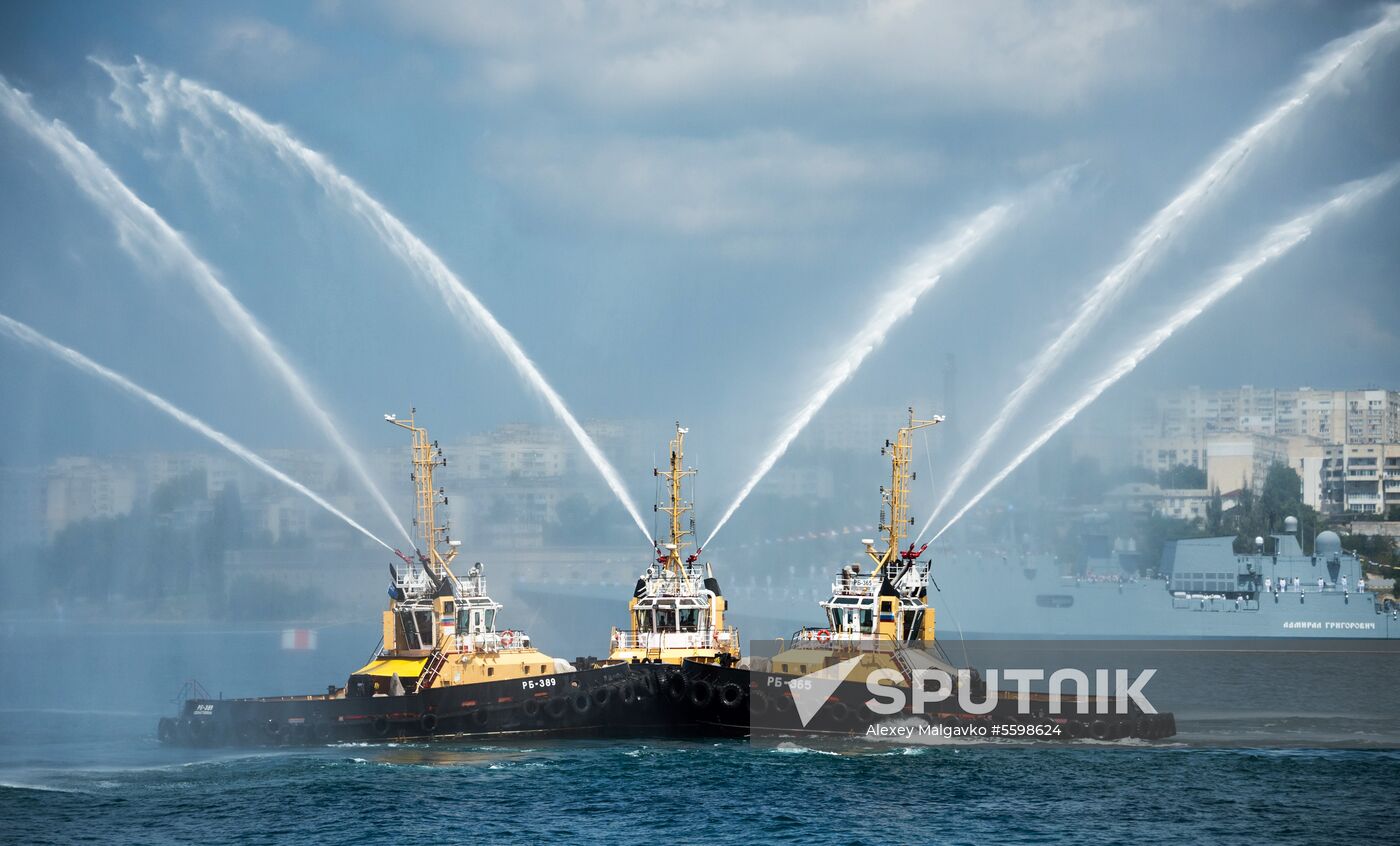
(725,638)
(675,586)
(491,641)
(817,636)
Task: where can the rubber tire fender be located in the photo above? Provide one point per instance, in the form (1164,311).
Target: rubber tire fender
(702,693)
(602,697)
(676,685)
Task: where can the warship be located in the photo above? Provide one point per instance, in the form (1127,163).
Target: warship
(880,622)
(446,668)
(1207,591)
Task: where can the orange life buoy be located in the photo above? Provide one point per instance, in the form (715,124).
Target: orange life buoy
(824,636)
(507,638)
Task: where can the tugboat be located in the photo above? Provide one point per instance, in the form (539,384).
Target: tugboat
(676,615)
(880,622)
(443,667)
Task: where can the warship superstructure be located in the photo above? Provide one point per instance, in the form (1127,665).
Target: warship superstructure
(1206,590)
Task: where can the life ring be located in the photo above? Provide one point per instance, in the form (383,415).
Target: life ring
(731,696)
(380,726)
(701,693)
(582,704)
(531,708)
(507,638)
(165,732)
(676,686)
(824,636)
(428,722)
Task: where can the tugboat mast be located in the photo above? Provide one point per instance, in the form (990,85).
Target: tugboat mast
(426,456)
(676,508)
(895,498)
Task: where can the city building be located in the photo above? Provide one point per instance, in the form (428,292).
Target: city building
(80,488)
(1330,416)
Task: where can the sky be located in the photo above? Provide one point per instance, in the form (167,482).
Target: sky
(681,211)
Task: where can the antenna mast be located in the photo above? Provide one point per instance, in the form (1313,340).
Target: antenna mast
(895,498)
(676,507)
(426,456)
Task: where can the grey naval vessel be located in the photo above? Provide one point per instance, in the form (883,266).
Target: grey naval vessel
(1209,591)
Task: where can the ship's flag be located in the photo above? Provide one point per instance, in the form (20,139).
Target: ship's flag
(299,639)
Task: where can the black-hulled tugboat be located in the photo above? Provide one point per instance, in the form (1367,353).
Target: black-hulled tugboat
(444,667)
(879,622)
(676,616)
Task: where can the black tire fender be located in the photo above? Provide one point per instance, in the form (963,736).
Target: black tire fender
(702,693)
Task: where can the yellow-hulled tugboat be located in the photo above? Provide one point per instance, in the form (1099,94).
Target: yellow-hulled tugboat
(444,668)
(677,612)
(880,622)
